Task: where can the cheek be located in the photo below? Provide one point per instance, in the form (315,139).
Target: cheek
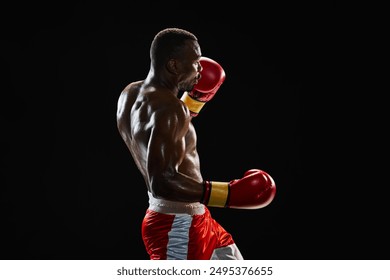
(189,74)
(192,73)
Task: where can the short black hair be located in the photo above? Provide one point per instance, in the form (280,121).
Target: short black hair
(167,44)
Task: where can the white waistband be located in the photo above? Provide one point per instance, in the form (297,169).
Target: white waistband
(175,207)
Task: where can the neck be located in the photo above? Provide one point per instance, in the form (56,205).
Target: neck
(162,80)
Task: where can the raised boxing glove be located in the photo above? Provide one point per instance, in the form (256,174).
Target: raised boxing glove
(256,189)
(212,77)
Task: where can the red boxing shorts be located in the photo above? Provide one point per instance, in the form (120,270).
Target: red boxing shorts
(185,231)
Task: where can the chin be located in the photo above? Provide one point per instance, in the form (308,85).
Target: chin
(190,88)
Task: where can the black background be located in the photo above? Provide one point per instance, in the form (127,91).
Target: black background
(70,189)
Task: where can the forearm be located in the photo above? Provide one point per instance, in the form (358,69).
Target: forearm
(177,187)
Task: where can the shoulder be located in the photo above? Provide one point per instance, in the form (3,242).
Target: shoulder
(168,104)
(132,87)
(168,113)
(127,97)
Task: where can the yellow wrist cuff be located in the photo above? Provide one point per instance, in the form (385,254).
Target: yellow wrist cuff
(218,194)
(192,104)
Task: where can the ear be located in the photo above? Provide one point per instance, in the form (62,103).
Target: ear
(172,66)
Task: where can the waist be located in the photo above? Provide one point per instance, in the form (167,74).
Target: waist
(175,207)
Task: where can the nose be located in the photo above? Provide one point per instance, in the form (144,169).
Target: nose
(200,68)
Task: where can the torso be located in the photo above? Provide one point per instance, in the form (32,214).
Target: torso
(138,107)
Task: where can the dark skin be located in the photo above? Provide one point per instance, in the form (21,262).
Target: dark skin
(157,129)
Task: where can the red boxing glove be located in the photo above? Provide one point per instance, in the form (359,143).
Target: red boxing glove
(212,77)
(255,190)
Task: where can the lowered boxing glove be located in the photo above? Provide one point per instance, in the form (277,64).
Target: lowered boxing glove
(212,77)
(256,189)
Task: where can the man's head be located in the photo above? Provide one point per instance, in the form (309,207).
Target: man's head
(170,43)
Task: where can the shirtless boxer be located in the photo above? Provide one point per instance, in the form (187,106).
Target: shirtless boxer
(155,123)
